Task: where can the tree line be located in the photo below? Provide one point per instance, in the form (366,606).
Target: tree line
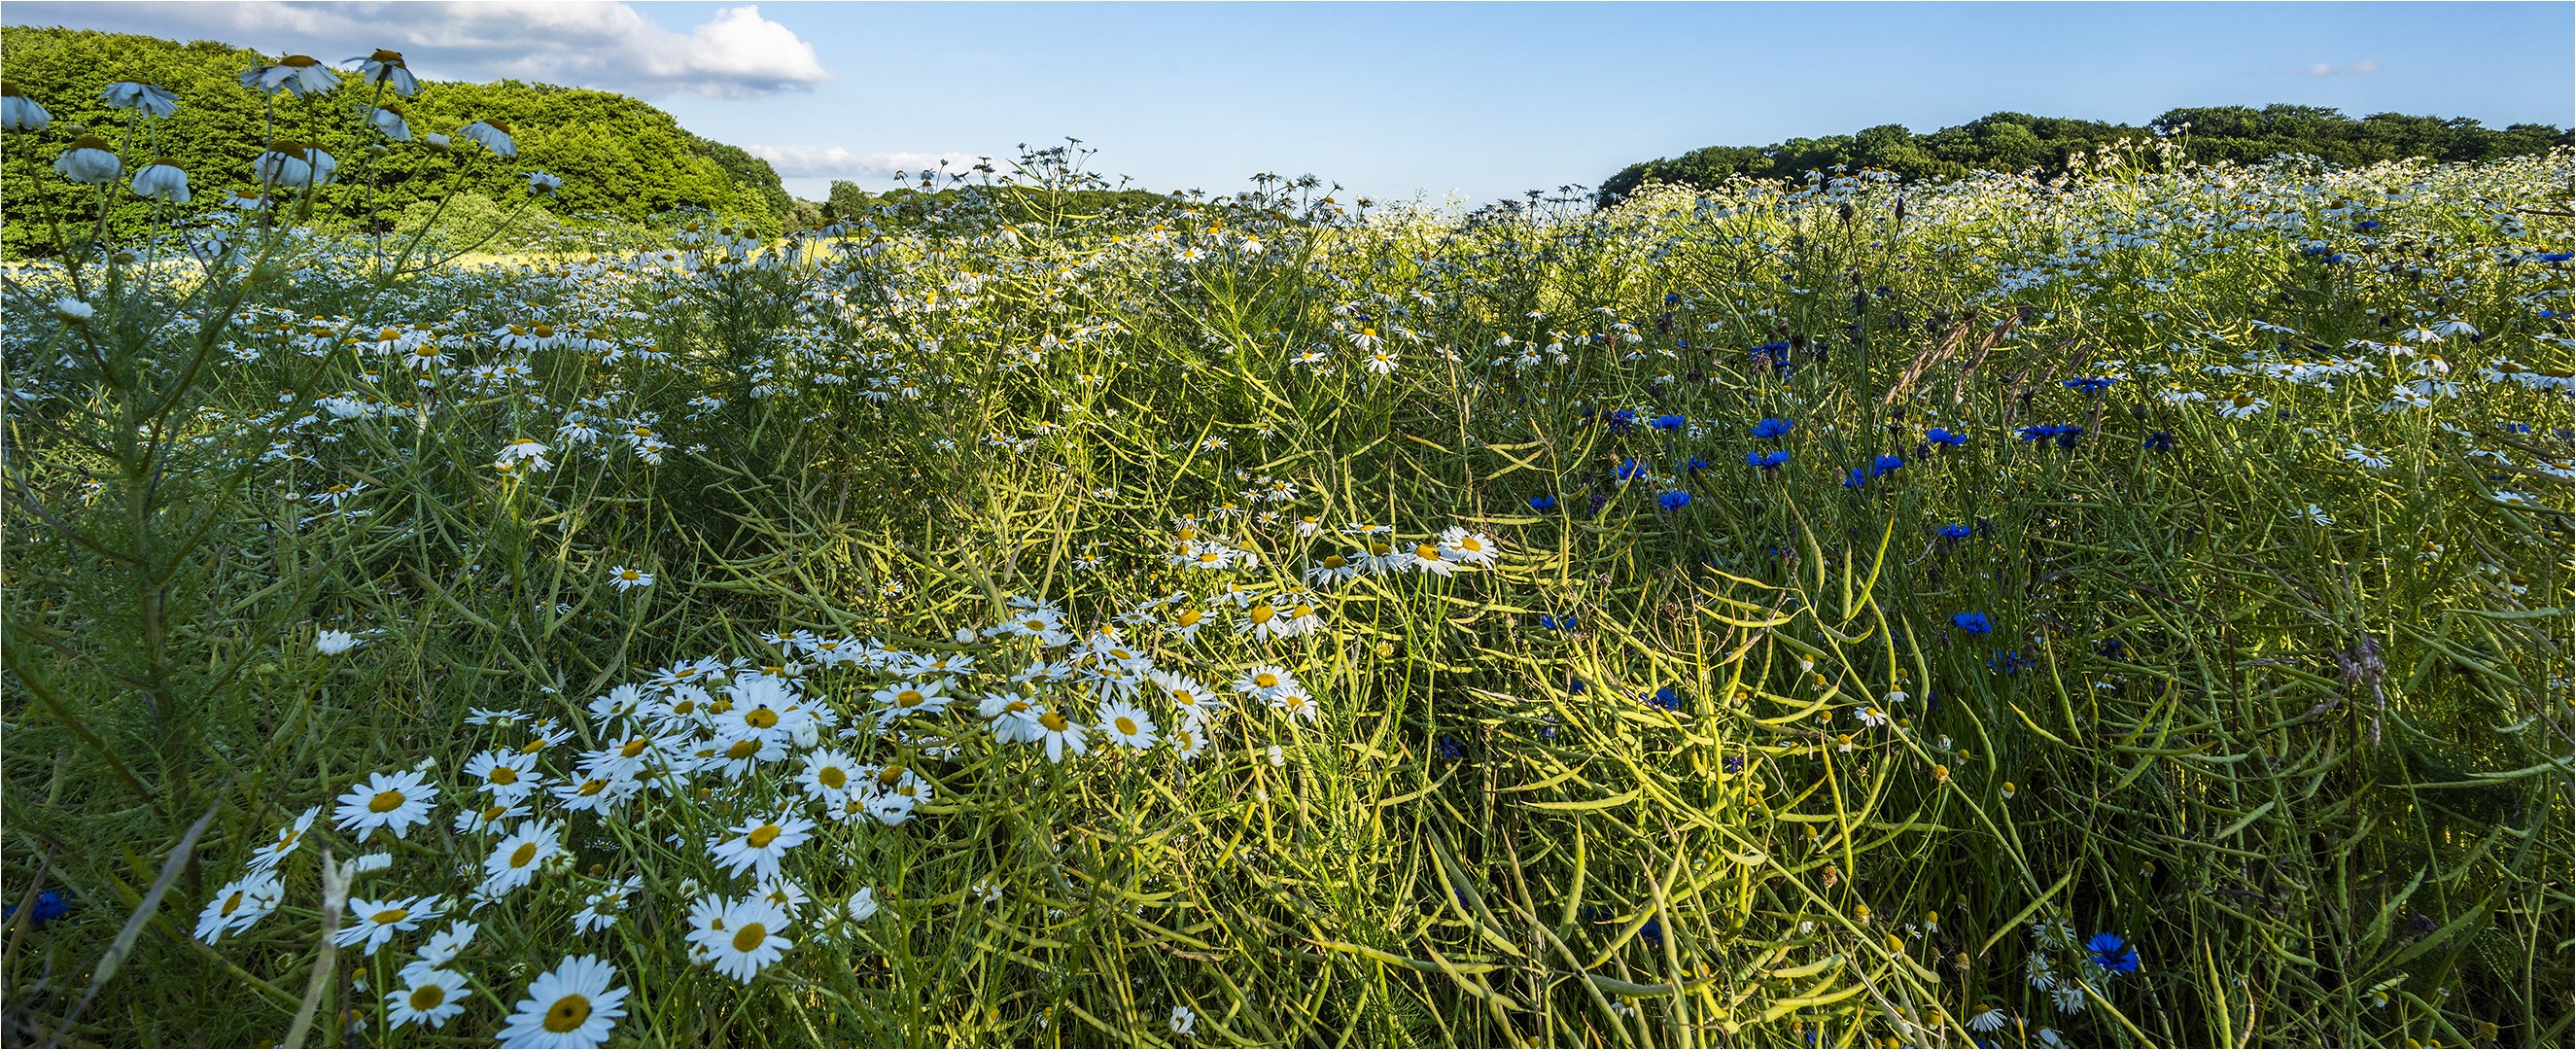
(2018,142)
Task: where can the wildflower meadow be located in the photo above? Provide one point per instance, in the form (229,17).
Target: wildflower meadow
(2128,608)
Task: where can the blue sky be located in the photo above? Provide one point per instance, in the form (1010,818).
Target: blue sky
(1410,100)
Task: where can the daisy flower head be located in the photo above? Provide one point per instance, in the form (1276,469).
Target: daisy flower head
(911,698)
(372,923)
(827,776)
(396,802)
(1466,548)
(514,862)
(599,910)
(444,946)
(1296,703)
(429,997)
(1265,681)
(738,938)
(1128,724)
(759,843)
(626,579)
(288,838)
(509,775)
(1060,734)
(570,1008)
(238,904)
(494,134)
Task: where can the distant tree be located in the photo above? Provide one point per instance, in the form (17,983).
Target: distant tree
(2022,142)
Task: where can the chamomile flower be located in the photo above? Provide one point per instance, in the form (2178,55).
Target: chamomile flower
(429,997)
(396,802)
(1265,681)
(911,698)
(1296,703)
(288,839)
(759,843)
(444,946)
(626,579)
(515,860)
(570,1008)
(741,938)
(238,904)
(508,775)
(372,922)
(599,910)
(1059,734)
(1466,548)
(827,776)
(1128,724)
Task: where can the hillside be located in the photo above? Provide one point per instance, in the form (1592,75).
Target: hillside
(618,157)
(2019,141)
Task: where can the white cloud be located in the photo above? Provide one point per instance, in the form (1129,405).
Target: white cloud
(838,163)
(600,44)
(2329,69)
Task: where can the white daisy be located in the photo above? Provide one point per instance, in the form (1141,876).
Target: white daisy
(515,860)
(1127,724)
(372,923)
(570,1008)
(429,997)
(758,845)
(239,904)
(743,939)
(288,838)
(396,802)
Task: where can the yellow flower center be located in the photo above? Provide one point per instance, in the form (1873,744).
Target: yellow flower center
(1335,561)
(762,836)
(1266,680)
(908,698)
(832,777)
(593,786)
(761,718)
(526,852)
(1188,617)
(385,802)
(750,937)
(1126,725)
(1262,613)
(427,997)
(231,904)
(1469,543)
(1053,722)
(634,747)
(503,775)
(389,916)
(1426,552)
(567,1013)
(742,749)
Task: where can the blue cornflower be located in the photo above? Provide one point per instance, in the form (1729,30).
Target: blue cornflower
(1766,460)
(1773,428)
(1575,686)
(1664,698)
(1668,422)
(2094,385)
(2037,433)
(2160,441)
(1943,436)
(2555,256)
(1547,727)
(2111,952)
(1652,933)
(1885,464)
(1855,478)
(1971,622)
(1555,623)
(1674,500)
(1672,298)
(1695,465)
(1956,532)
(2366,225)
(1450,748)
(1631,470)
(2008,662)
(50,905)
(1542,503)
(1735,763)
(1622,419)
